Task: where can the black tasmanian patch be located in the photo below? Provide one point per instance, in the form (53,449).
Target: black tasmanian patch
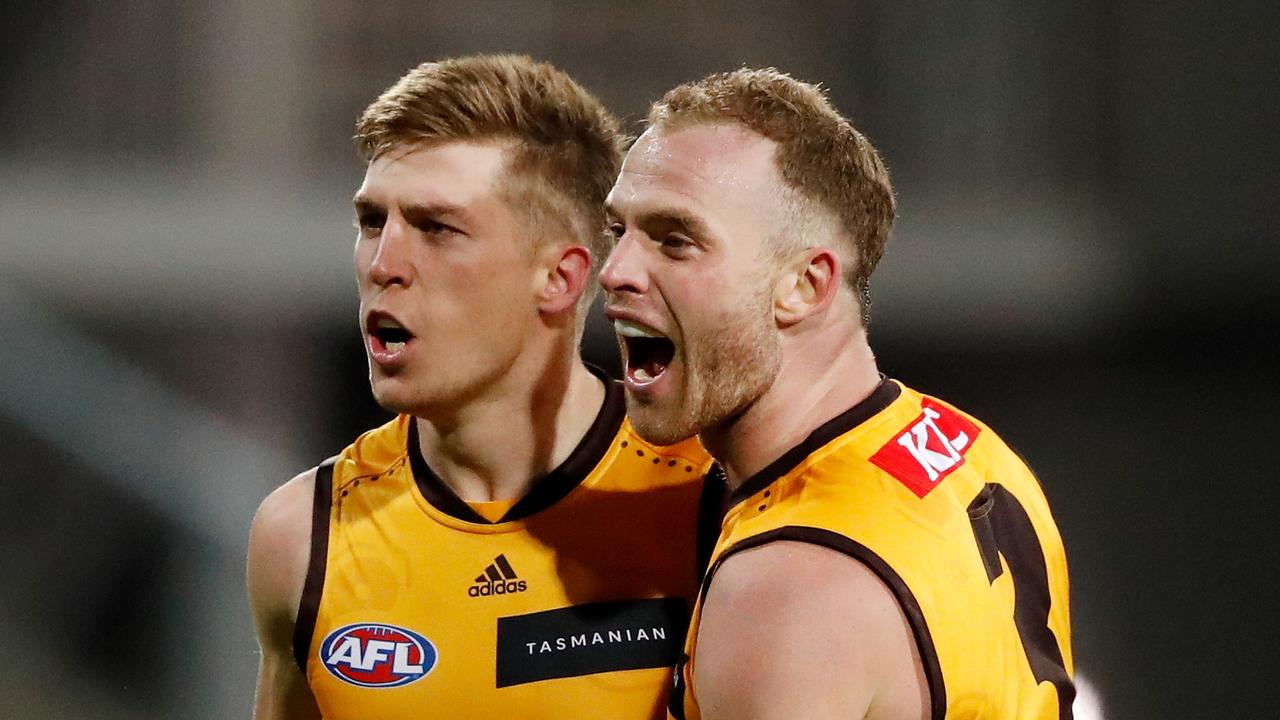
(589,639)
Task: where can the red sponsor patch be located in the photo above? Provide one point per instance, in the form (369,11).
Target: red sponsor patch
(929,449)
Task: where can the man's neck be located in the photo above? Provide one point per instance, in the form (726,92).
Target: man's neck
(500,444)
(817,381)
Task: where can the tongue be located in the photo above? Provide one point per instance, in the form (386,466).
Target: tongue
(647,371)
(648,358)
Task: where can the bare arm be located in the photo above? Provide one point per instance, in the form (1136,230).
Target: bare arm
(791,630)
(279,550)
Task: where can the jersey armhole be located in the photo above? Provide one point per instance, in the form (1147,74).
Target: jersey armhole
(906,599)
(309,603)
(711,508)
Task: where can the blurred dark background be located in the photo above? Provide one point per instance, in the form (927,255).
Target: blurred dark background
(1086,258)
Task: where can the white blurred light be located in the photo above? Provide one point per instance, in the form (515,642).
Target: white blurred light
(1088,704)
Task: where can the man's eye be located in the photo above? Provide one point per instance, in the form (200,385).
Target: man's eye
(431,227)
(675,242)
(617,230)
(371,221)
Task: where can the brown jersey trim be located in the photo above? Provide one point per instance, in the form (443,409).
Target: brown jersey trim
(441,496)
(906,599)
(879,399)
(547,490)
(313,586)
(710,516)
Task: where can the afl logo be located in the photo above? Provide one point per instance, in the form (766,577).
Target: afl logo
(377,655)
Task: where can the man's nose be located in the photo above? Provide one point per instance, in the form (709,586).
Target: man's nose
(391,263)
(624,269)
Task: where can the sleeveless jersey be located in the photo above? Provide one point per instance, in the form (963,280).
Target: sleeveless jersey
(951,520)
(572,605)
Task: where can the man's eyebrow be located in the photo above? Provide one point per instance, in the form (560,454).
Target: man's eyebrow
(363,204)
(677,217)
(438,211)
(668,214)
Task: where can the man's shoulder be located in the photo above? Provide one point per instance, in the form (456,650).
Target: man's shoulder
(792,570)
(908,450)
(379,447)
(934,410)
(811,608)
(279,546)
(287,509)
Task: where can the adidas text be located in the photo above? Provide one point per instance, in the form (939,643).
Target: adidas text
(498,588)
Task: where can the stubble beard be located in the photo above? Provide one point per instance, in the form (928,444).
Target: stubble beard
(725,370)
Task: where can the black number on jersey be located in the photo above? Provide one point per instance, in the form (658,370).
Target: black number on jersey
(1001,527)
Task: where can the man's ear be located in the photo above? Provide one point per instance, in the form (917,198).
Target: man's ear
(808,287)
(562,279)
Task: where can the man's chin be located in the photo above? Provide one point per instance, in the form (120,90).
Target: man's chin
(389,397)
(658,425)
(393,404)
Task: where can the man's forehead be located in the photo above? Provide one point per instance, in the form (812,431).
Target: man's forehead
(450,167)
(693,161)
(703,149)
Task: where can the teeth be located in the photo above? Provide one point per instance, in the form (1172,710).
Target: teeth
(395,346)
(385,323)
(642,375)
(627,328)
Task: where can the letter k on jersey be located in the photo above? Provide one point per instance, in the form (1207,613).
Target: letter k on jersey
(929,449)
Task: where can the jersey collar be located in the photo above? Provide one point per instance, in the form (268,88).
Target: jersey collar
(879,399)
(547,489)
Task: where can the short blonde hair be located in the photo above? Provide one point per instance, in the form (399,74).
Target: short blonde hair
(567,147)
(820,156)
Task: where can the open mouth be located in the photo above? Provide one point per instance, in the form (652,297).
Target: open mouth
(647,354)
(387,333)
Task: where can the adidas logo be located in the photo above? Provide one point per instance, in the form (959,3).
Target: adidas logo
(497,579)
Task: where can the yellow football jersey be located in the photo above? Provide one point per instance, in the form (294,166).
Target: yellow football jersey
(572,605)
(956,526)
